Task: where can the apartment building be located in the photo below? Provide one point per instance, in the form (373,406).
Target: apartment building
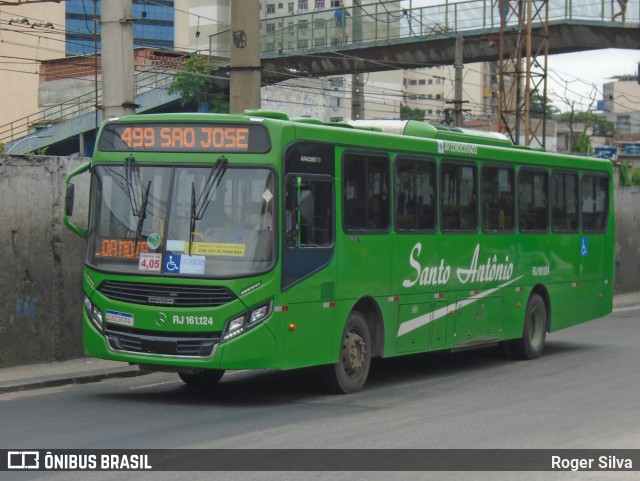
(621,104)
(432,90)
(153,27)
(29,33)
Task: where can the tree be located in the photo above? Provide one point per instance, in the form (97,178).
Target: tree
(579,122)
(535,106)
(219,103)
(604,127)
(194,83)
(407,113)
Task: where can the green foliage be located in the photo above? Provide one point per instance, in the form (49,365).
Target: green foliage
(219,103)
(629,176)
(582,145)
(41,151)
(1,147)
(535,106)
(407,113)
(194,81)
(580,123)
(601,126)
(604,128)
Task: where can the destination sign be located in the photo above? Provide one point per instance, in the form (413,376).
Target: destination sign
(120,248)
(191,137)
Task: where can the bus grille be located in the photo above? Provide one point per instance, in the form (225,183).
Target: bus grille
(160,294)
(192,344)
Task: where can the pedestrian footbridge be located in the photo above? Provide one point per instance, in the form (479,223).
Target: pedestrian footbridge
(379,36)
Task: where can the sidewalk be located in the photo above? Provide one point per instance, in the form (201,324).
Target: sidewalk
(627,299)
(84,370)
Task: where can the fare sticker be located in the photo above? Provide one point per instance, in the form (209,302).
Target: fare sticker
(150,261)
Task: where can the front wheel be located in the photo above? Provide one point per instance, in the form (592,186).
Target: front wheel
(531,345)
(203,379)
(349,374)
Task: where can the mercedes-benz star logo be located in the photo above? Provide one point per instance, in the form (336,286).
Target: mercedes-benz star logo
(161,319)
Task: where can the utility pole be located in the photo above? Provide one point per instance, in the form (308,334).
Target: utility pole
(118,92)
(459,66)
(357,82)
(457,99)
(246,75)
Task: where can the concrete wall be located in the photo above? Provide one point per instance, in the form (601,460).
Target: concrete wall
(627,204)
(41,262)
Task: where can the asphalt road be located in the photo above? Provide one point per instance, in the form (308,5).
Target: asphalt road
(583,393)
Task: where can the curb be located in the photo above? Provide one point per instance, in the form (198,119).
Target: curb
(72,378)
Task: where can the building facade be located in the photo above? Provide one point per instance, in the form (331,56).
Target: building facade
(621,104)
(30,33)
(153,25)
(432,89)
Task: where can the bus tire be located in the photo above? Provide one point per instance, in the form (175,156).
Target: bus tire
(531,345)
(203,379)
(349,374)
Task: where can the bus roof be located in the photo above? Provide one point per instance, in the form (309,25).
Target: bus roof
(410,128)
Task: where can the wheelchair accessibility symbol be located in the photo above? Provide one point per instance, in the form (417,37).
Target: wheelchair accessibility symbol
(584,247)
(172,263)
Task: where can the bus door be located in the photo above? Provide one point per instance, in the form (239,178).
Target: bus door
(308,273)
(593,245)
(418,270)
(364,257)
(564,292)
(479,262)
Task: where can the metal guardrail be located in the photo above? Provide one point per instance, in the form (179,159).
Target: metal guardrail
(155,77)
(316,30)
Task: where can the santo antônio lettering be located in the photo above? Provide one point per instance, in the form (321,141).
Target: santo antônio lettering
(439,273)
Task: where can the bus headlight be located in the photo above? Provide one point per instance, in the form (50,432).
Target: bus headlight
(241,324)
(259,314)
(93,313)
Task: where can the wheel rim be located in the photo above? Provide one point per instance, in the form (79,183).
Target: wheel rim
(536,328)
(354,351)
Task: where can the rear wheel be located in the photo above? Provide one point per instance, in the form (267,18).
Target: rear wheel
(203,379)
(531,345)
(350,373)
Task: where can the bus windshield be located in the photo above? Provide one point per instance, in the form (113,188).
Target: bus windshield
(212,221)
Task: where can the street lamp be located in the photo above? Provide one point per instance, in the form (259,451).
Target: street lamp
(29,137)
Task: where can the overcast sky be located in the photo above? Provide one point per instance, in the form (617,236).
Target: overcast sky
(581,72)
(578,72)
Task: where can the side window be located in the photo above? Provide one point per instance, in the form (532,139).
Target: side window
(533,190)
(309,212)
(415,188)
(458,186)
(564,202)
(365,193)
(497,197)
(308,226)
(595,203)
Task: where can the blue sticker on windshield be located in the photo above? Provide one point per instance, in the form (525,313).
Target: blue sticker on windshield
(184,264)
(172,263)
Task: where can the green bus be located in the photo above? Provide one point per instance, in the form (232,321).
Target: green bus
(229,242)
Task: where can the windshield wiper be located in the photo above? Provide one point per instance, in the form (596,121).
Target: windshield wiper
(142,215)
(192,227)
(199,207)
(128,178)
